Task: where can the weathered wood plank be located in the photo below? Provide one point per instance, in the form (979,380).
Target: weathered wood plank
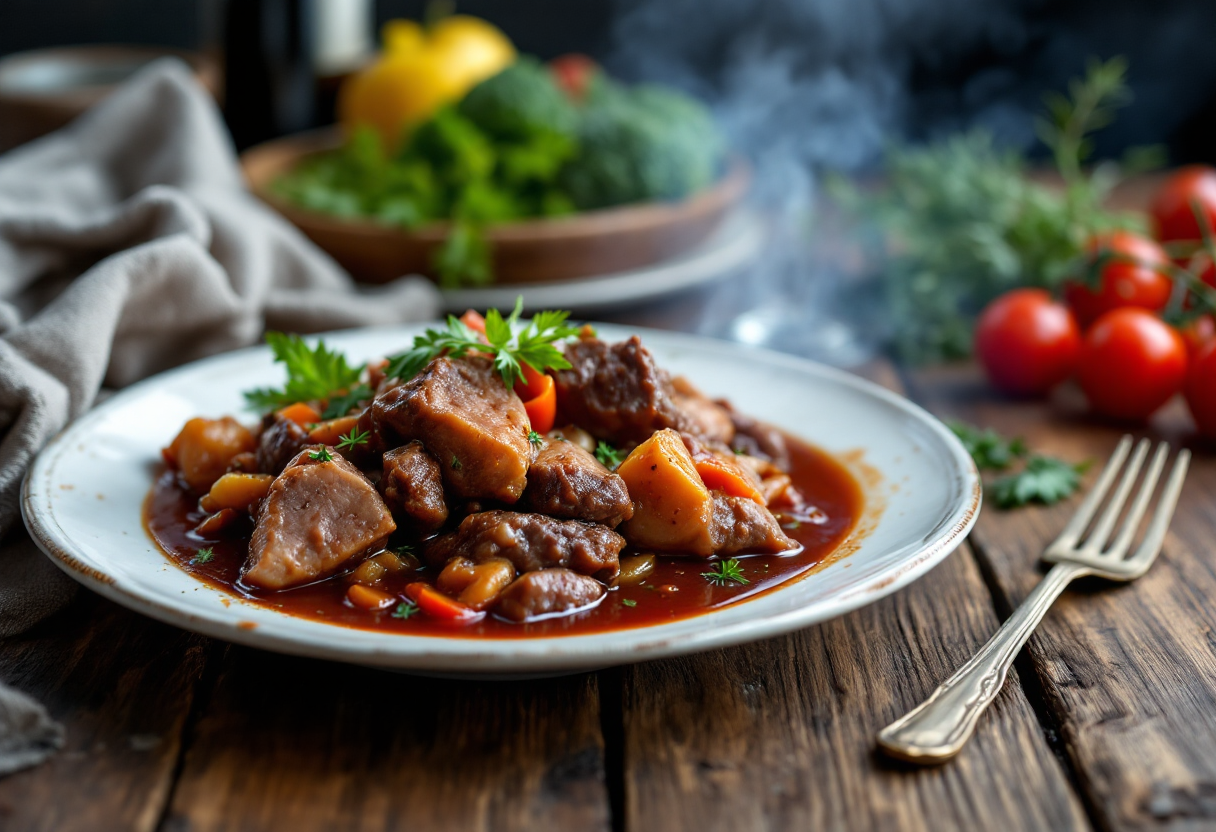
(1128,673)
(780,734)
(122,685)
(298,745)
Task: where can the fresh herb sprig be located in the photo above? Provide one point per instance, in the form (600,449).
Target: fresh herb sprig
(510,344)
(353,439)
(205,555)
(1043,479)
(323,455)
(404,610)
(609,456)
(726,572)
(313,373)
(342,404)
(535,438)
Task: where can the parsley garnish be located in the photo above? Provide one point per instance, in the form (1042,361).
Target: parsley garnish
(725,572)
(990,450)
(405,609)
(341,405)
(322,455)
(629,602)
(535,438)
(353,439)
(203,555)
(509,344)
(456,466)
(312,373)
(1044,480)
(608,456)
(404,549)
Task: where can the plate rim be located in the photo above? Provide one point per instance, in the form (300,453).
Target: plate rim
(920,558)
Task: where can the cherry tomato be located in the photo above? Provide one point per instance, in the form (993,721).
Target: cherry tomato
(1198,333)
(1172,210)
(1131,364)
(573,73)
(1027,342)
(1201,389)
(1123,283)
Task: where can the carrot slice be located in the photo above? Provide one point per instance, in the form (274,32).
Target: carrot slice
(300,413)
(722,475)
(331,431)
(367,598)
(437,605)
(542,407)
(474,321)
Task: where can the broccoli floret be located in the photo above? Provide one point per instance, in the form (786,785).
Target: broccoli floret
(641,144)
(520,102)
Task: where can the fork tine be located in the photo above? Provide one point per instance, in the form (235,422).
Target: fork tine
(1150,547)
(1106,523)
(1080,521)
(1130,525)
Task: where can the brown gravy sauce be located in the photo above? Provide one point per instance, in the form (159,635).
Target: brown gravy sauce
(674,590)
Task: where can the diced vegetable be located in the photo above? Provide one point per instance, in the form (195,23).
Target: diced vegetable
(474,321)
(437,605)
(575,434)
(672,508)
(489,579)
(368,573)
(300,413)
(635,569)
(730,477)
(542,406)
(367,598)
(204,449)
(236,491)
(331,431)
(216,523)
(457,575)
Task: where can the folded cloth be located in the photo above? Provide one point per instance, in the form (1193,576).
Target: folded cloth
(128,244)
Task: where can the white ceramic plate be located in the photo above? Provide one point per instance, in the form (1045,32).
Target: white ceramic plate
(82,502)
(730,247)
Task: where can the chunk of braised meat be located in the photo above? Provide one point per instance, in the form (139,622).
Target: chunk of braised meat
(469,421)
(318,515)
(618,393)
(741,524)
(531,542)
(547,592)
(565,481)
(412,485)
(757,438)
(702,417)
(280,442)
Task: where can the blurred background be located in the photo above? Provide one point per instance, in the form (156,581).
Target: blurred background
(800,87)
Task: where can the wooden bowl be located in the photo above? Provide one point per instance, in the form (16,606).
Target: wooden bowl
(44,89)
(531,251)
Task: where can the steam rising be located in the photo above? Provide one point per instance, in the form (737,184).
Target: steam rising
(800,86)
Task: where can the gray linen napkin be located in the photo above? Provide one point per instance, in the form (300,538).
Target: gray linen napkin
(128,244)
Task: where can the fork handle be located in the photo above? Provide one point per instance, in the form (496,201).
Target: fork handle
(936,729)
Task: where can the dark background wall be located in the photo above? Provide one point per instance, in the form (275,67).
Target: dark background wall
(846,68)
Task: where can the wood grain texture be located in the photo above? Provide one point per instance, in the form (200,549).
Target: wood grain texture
(123,686)
(294,744)
(1128,673)
(780,734)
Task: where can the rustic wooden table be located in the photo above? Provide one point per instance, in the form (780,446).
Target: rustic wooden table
(1109,721)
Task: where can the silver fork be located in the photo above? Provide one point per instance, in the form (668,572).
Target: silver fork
(937,729)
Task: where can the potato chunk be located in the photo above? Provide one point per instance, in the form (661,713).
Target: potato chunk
(672,508)
(205,447)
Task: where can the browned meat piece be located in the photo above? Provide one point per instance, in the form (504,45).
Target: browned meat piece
(318,515)
(758,438)
(566,481)
(616,392)
(702,418)
(469,421)
(547,592)
(412,486)
(743,525)
(531,542)
(279,443)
